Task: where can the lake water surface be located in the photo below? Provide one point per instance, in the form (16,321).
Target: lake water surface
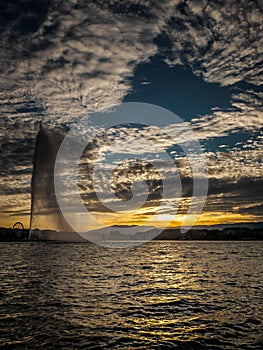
(161,295)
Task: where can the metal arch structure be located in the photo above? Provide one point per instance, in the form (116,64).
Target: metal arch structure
(18,223)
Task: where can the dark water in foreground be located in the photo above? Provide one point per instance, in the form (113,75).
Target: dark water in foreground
(162,295)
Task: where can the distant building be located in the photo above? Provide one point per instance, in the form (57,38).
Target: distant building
(235,231)
(13,235)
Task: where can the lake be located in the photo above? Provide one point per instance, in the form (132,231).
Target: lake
(161,295)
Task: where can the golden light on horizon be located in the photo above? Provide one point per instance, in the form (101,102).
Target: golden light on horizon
(174,221)
(9,221)
(141,218)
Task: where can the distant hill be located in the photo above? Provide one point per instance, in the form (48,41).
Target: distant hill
(251,225)
(117,233)
(248,231)
(242,231)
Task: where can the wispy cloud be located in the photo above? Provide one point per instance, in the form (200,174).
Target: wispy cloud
(61,60)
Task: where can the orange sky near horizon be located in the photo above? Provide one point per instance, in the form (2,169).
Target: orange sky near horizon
(162,220)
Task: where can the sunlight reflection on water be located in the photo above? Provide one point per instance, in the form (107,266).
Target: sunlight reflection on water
(185,295)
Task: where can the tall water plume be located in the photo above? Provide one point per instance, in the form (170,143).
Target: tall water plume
(47,221)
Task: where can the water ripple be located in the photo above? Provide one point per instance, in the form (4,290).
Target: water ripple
(162,295)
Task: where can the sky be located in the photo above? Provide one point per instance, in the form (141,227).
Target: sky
(62,60)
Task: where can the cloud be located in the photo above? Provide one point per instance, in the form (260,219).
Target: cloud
(78,57)
(222,41)
(61,60)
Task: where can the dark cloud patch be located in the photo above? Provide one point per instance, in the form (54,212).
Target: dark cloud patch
(252,208)
(137,171)
(240,196)
(22,17)
(129,8)
(17,212)
(16,153)
(15,191)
